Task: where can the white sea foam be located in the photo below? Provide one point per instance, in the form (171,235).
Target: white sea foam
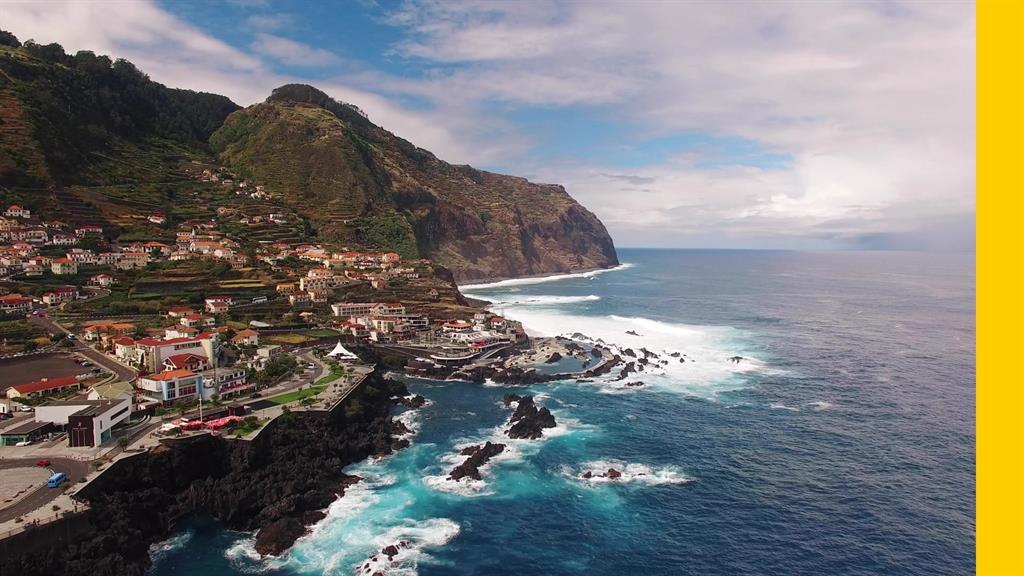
(173,543)
(539,279)
(820,405)
(413,540)
(244,558)
(631,473)
(542,300)
(781,406)
(427,401)
(693,360)
(411,419)
(372,515)
(516,450)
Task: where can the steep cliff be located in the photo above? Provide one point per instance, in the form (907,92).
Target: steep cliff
(362,184)
(277,484)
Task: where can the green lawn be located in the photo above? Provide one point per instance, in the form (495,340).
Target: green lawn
(334,371)
(295,395)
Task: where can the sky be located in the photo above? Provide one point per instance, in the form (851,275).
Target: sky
(805,124)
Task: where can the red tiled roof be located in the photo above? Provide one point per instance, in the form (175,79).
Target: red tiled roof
(180,360)
(170,375)
(50,384)
(156,342)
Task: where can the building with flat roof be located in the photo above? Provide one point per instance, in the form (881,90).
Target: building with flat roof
(25,432)
(171,386)
(87,422)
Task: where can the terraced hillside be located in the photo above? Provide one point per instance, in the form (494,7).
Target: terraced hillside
(360,183)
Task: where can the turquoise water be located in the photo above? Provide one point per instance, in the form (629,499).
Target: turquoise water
(841,444)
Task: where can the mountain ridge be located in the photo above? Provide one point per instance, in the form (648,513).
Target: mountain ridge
(68,122)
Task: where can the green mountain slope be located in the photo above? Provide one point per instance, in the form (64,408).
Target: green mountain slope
(84,138)
(359,183)
(63,116)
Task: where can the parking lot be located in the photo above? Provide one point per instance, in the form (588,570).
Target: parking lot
(31,368)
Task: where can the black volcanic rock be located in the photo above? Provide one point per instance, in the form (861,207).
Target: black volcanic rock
(478,456)
(278,484)
(510,399)
(555,357)
(628,369)
(278,536)
(529,421)
(416,401)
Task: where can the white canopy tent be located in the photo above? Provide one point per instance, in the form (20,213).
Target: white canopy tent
(342,353)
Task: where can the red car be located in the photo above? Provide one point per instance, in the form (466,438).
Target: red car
(43,463)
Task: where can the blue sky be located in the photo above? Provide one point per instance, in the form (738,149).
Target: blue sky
(700,124)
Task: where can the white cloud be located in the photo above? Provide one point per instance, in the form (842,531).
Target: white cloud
(180,55)
(292,52)
(873,101)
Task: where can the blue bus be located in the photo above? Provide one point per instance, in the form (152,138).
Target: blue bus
(56,480)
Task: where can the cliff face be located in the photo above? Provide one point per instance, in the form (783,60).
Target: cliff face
(362,184)
(277,484)
(88,139)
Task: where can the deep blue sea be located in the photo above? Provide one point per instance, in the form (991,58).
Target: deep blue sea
(843,442)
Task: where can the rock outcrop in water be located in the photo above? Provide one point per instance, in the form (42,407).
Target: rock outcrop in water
(277,484)
(529,421)
(478,456)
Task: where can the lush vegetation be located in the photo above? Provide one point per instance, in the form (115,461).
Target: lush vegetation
(294,395)
(247,426)
(276,368)
(391,232)
(81,106)
(334,371)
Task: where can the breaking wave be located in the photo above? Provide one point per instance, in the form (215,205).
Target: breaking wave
(690,359)
(629,472)
(542,300)
(540,279)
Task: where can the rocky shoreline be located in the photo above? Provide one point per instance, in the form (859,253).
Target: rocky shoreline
(278,484)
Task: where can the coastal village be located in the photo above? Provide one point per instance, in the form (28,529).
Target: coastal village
(110,345)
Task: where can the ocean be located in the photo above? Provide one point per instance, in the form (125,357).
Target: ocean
(842,443)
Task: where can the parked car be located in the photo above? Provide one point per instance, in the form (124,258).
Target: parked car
(24,408)
(43,463)
(255,395)
(23,443)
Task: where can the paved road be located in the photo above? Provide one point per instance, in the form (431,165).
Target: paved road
(75,470)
